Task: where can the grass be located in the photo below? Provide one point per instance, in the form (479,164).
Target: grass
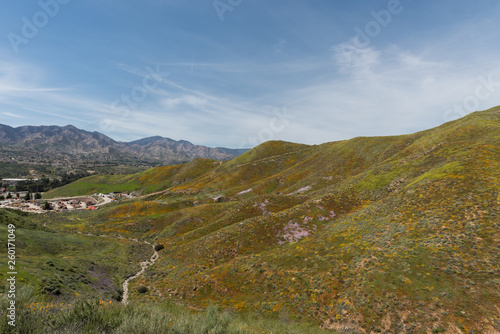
(149,181)
(65,265)
(104,316)
(389,232)
(448,170)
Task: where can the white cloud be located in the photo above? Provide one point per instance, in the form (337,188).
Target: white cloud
(186,100)
(9,114)
(370,92)
(355,60)
(383,92)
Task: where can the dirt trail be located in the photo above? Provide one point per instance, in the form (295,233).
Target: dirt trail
(272,157)
(144,265)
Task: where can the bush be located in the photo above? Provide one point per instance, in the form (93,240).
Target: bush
(214,322)
(26,321)
(142,289)
(37,315)
(159,247)
(118,295)
(142,320)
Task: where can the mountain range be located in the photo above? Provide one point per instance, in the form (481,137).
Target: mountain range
(69,141)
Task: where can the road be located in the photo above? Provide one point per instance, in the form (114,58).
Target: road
(106,200)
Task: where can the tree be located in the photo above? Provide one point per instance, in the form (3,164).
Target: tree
(27,197)
(9,196)
(38,196)
(46,206)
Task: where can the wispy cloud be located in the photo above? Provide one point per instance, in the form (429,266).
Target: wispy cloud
(225,82)
(358,61)
(187,100)
(384,92)
(24,88)
(12,115)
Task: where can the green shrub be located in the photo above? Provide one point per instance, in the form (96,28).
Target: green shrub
(89,316)
(214,322)
(142,289)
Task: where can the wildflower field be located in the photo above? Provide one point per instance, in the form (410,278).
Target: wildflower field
(370,235)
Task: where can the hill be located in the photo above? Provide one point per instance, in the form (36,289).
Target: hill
(369,235)
(67,265)
(72,283)
(149,181)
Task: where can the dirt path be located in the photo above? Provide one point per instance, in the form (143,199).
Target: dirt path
(106,200)
(272,157)
(144,265)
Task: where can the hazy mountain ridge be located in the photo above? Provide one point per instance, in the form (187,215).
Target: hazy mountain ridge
(69,140)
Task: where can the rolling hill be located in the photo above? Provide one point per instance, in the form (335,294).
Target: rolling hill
(369,235)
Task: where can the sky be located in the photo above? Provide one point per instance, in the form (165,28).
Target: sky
(236,73)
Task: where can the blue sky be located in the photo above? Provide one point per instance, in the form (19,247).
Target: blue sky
(235,73)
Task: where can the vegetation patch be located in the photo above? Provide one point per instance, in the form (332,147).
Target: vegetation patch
(392,234)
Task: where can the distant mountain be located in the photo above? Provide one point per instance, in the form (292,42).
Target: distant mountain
(148,140)
(71,141)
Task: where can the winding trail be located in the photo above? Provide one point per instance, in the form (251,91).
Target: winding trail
(144,265)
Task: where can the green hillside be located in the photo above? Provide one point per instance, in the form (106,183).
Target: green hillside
(152,180)
(370,235)
(68,265)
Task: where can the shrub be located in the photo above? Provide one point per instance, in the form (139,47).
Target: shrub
(214,322)
(142,289)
